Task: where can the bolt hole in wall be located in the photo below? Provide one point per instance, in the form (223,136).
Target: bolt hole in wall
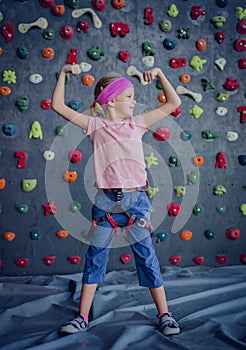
(195,159)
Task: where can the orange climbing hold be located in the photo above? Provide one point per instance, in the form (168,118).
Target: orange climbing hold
(48,52)
(70,176)
(201,45)
(186,235)
(198,161)
(62,233)
(5,90)
(185,78)
(9,236)
(162,98)
(88,80)
(2,183)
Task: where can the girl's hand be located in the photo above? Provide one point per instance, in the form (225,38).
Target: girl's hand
(149,75)
(74,69)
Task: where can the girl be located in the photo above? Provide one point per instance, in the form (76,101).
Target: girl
(120,176)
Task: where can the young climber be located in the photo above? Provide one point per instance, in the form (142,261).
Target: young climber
(120,176)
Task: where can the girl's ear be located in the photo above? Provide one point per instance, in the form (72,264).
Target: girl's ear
(111,103)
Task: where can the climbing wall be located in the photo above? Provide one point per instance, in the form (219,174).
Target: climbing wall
(195,159)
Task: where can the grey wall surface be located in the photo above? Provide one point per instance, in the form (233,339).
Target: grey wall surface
(35,247)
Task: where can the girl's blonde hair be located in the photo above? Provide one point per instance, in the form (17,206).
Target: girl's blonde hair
(94,108)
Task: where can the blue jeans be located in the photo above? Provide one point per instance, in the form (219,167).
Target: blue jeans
(101,238)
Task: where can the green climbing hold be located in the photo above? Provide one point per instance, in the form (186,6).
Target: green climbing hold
(219,190)
(75,206)
(196,111)
(22,208)
(173,11)
(36,131)
(198,209)
(29,184)
(209,134)
(197,63)
(61,130)
(194,178)
(179,190)
(22,103)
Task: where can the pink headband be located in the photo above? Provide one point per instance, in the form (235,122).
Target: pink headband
(112,90)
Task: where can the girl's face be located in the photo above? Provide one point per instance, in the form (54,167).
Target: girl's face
(125,103)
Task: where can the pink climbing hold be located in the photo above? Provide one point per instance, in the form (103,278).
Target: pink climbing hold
(75,156)
(49,208)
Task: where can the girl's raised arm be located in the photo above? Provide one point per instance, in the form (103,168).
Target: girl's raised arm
(172,103)
(58,99)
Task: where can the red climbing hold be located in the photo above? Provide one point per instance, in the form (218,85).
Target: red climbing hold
(221,160)
(161,134)
(49,208)
(8,31)
(119,28)
(233,233)
(22,159)
(177,62)
(49,260)
(148,15)
(125,258)
(175,260)
(72,57)
(221,259)
(22,262)
(231,85)
(199,260)
(173,209)
(124,55)
(74,259)
(196,12)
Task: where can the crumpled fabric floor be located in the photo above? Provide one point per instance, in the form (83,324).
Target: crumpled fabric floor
(209,303)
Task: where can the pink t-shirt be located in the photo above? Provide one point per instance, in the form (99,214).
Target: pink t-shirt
(118,152)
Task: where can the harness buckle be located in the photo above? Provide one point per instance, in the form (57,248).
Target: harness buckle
(142,223)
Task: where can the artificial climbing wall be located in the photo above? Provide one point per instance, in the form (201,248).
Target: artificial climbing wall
(195,159)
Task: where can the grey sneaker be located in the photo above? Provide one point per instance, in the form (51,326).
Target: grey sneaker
(168,326)
(76,325)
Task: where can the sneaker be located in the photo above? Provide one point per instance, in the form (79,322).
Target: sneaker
(168,326)
(76,325)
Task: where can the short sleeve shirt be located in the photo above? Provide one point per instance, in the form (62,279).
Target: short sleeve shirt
(118,152)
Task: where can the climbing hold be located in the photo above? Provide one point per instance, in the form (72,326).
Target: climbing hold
(242,159)
(22,262)
(207,85)
(22,103)
(29,185)
(118,4)
(148,15)
(243,209)
(184,91)
(241,26)
(221,160)
(58,10)
(186,135)
(125,259)
(174,209)
(48,155)
(74,259)
(223,97)
(9,236)
(99,5)
(46,104)
(71,3)
(22,159)
(22,52)
(220,63)
(162,134)
(88,80)
(150,160)
(179,190)
(83,26)
(46,3)
(75,105)
(48,52)
(5,90)
(240,45)
(62,234)
(242,111)
(243,258)
(240,12)
(232,136)
(196,12)
(70,176)
(161,236)
(48,34)
(193,177)
(95,19)
(50,208)
(220,37)
(176,112)
(95,53)
(183,33)
(35,235)
(199,260)
(197,63)
(36,131)
(151,191)
(119,28)
(84,67)
(196,111)
(162,98)
(185,78)
(8,31)
(198,209)
(75,156)
(175,260)
(177,62)
(219,190)
(209,234)
(148,49)
(198,161)
(49,260)
(41,22)
(22,208)
(201,44)
(9,77)
(218,21)
(35,78)
(186,235)
(221,259)
(9,129)
(165,25)
(221,111)
(61,130)
(221,209)
(75,207)
(231,85)
(124,55)
(173,11)
(221,3)
(169,44)
(133,71)
(66,32)
(174,161)
(209,135)
(2,183)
